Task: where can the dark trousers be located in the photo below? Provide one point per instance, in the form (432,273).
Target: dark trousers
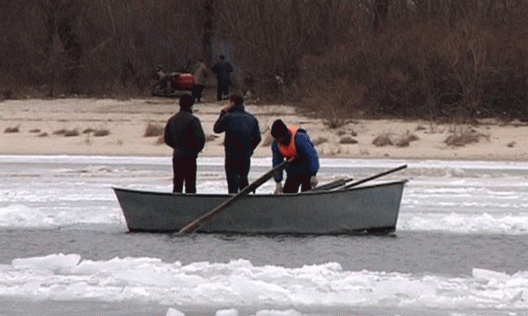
(197,92)
(237,170)
(223,90)
(184,169)
(292,184)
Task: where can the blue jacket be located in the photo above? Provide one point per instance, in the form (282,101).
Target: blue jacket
(242,132)
(307,162)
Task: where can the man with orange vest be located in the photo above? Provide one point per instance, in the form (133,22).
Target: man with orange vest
(294,143)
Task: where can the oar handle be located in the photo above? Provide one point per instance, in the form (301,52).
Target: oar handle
(373,177)
(192,226)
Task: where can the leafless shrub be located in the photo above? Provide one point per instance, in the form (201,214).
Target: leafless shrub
(44,134)
(382,140)
(153,130)
(35,130)
(14,129)
(511,145)
(334,100)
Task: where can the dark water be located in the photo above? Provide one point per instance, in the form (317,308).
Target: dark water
(406,252)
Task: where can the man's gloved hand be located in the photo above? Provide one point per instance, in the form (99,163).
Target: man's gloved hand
(313,181)
(278,188)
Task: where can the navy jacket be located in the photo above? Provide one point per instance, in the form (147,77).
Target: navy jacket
(242,132)
(307,161)
(223,72)
(184,134)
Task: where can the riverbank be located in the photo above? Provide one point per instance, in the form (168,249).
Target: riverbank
(120,127)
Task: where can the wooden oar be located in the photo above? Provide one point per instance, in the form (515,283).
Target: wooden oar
(373,177)
(332,185)
(192,226)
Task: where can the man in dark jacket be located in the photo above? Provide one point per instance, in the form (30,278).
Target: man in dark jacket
(185,135)
(294,143)
(223,70)
(242,136)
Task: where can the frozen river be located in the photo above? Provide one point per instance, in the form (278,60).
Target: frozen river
(460,246)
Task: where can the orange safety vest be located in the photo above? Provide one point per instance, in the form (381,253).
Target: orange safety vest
(289,151)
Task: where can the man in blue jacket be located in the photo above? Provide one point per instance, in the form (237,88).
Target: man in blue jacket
(242,136)
(223,70)
(294,143)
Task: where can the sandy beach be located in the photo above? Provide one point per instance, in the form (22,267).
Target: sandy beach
(117,127)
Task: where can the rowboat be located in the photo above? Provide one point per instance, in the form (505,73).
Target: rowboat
(368,208)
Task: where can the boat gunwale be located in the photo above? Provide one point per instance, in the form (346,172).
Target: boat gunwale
(208,195)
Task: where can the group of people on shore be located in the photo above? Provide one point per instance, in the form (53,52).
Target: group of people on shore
(184,133)
(222,69)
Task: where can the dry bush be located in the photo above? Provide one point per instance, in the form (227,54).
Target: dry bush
(461,136)
(160,141)
(405,140)
(153,130)
(35,130)
(71,133)
(347,140)
(43,134)
(9,130)
(101,132)
(67,132)
(320,140)
(97,132)
(382,140)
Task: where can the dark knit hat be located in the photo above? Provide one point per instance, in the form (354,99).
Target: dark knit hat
(237,99)
(186,101)
(278,129)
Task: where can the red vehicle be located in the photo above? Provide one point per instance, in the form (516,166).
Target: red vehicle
(169,83)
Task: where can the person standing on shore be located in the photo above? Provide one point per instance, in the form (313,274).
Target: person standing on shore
(223,70)
(242,136)
(185,135)
(295,143)
(200,76)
